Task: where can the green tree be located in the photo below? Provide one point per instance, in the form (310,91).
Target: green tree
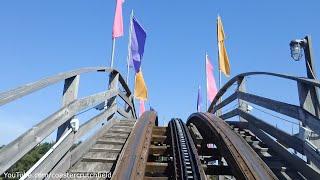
(28,160)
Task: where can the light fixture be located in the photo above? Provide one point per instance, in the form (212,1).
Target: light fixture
(74,123)
(296,48)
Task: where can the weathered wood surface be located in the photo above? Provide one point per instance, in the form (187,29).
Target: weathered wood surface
(132,160)
(13,94)
(225,102)
(70,93)
(75,155)
(290,141)
(21,91)
(24,143)
(88,125)
(290,110)
(296,162)
(236,78)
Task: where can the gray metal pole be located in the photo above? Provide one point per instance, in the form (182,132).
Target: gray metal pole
(112,51)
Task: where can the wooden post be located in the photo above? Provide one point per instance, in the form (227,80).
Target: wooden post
(309,102)
(241,103)
(70,93)
(113,84)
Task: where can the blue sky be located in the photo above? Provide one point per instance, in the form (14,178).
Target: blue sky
(42,38)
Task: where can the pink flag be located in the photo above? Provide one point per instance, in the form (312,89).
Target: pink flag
(142,109)
(211,83)
(117,30)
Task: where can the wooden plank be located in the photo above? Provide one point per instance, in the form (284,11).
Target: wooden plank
(161,131)
(24,90)
(195,134)
(225,102)
(156,167)
(243,105)
(49,162)
(295,162)
(229,114)
(284,76)
(124,113)
(70,93)
(72,157)
(125,98)
(159,139)
(134,156)
(84,128)
(288,140)
(217,170)
(242,159)
(283,108)
(277,106)
(24,143)
(158,149)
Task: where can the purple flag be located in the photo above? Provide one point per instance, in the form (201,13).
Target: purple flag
(199,100)
(138,38)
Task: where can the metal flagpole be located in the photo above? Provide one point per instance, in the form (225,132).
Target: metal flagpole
(112,51)
(129,49)
(205,68)
(219,55)
(218,113)
(219,67)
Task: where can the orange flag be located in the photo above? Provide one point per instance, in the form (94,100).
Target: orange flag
(224,64)
(140,88)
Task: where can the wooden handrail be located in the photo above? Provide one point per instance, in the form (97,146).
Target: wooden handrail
(21,91)
(242,75)
(15,150)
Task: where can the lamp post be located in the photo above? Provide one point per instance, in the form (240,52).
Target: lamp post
(308,97)
(299,45)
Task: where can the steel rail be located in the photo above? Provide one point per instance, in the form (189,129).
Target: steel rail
(243,160)
(186,161)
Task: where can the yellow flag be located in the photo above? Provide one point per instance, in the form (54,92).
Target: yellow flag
(224,64)
(140,88)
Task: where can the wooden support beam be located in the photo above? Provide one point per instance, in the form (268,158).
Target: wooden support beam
(70,93)
(12,152)
(195,134)
(156,167)
(217,170)
(133,158)
(243,105)
(158,149)
(73,156)
(229,114)
(159,139)
(286,139)
(11,95)
(295,162)
(283,108)
(225,102)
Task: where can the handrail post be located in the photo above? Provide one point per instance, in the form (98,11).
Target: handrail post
(132,109)
(309,102)
(70,93)
(113,84)
(243,105)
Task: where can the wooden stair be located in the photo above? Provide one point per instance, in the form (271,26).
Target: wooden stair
(103,155)
(159,160)
(275,162)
